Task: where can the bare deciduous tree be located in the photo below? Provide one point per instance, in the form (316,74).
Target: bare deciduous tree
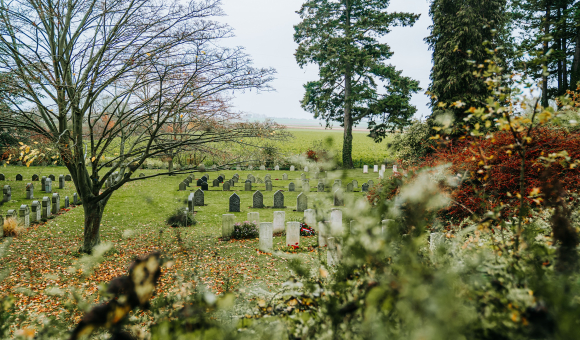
(99,78)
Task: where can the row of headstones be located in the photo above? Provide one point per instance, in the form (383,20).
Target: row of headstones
(39,209)
(376,169)
(320,188)
(276,168)
(46,186)
(36,178)
(203,182)
(268,229)
(258,200)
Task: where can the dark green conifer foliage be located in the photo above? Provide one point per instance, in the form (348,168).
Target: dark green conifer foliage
(341,37)
(458,38)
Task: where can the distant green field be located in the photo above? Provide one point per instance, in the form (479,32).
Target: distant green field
(365,150)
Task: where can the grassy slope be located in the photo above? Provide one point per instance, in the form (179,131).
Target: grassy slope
(134,224)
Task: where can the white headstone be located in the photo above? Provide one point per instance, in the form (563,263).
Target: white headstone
(395,168)
(276,168)
(336,222)
(322,232)
(292,168)
(310,217)
(293,234)
(305,169)
(376,168)
(279,220)
(254,217)
(365,169)
(228,225)
(381,174)
(266,236)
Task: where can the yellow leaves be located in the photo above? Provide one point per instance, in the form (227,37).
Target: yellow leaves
(437,136)
(545,116)
(458,104)
(442,105)
(93,159)
(20,143)
(487,123)
(471,110)
(477,126)
(535,192)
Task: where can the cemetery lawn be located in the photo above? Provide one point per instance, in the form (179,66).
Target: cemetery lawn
(40,259)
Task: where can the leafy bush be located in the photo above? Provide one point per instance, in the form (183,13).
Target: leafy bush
(181,218)
(245,230)
(413,144)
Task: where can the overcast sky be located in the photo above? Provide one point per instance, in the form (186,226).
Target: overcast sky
(265,29)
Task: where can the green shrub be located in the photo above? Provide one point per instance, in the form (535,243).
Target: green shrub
(412,144)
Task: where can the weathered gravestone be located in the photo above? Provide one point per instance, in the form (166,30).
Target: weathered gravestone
(216,183)
(322,234)
(46,208)
(76,199)
(198,198)
(291,186)
(182,186)
(355,183)
(305,186)
(48,186)
(316,175)
(395,168)
(301,202)
(141,175)
(19,177)
(292,168)
(228,221)
(231,182)
(262,167)
(302,176)
(279,200)
(383,167)
(259,180)
(248,186)
(266,236)
(336,222)
(11,214)
(236,179)
(199,182)
(320,187)
(24,215)
(371,182)
(66,202)
(258,200)
(36,215)
(7,194)
(338,198)
(35,178)
(292,233)
(285,177)
(204,186)
(279,220)
(349,187)
(276,168)
(268,185)
(234,203)
(226,186)
(61,182)
(305,169)
(268,177)
(43,183)
(29,191)
(381,174)
(2,177)
(365,187)
(68,178)
(55,203)
(52,177)
(338,182)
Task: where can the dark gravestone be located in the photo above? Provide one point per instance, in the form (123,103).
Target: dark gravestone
(258,200)
(55,203)
(320,187)
(232,183)
(66,202)
(76,199)
(61,182)
(301,202)
(68,178)
(2,178)
(35,178)
(216,183)
(279,200)
(191,203)
(365,187)
(198,198)
(371,182)
(42,183)
(182,186)
(234,203)
(19,177)
(141,175)
(248,186)
(291,187)
(7,191)
(52,178)
(226,186)
(268,185)
(204,186)
(338,198)
(220,179)
(199,181)
(349,187)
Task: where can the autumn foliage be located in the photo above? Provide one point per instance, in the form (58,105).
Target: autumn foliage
(487,185)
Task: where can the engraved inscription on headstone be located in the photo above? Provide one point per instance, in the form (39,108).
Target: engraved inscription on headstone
(234,203)
(258,200)
(279,200)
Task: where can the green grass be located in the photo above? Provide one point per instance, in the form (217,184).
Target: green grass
(365,150)
(134,223)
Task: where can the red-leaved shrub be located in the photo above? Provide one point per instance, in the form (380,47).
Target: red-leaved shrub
(498,181)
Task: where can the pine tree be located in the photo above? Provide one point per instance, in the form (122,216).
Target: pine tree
(461,34)
(341,37)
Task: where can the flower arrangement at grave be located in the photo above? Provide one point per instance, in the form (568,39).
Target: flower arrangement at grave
(305,230)
(245,230)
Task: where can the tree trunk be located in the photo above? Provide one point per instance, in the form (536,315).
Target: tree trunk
(347,142)
(93,216)
(575,76)
(565,48)
(559,47)
(170,165)
(545,72)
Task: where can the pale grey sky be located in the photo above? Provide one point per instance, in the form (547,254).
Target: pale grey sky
(265,29)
